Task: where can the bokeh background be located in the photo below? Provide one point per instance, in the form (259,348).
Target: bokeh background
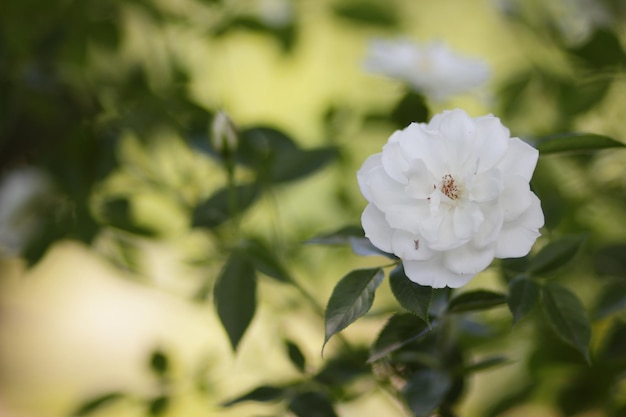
(105,154)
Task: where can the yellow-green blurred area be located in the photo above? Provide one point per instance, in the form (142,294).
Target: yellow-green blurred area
(113,102)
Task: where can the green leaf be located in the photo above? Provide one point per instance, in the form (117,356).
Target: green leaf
(413,297)
(476,300)
(485,363)
(555,255)
(603,49)
(338,237)
(611,260)
(367,12)
(363,247)
(97,403)
(312,404)
(612,299)
(295,355)
(523,295)
(264,260)
(235,296)
(399,331)
(411,108)
(575,142)
(159,363)
(158,405)
(263,393)
(567,316)
(426,390)
(300,163)
(352,297)
(217,208)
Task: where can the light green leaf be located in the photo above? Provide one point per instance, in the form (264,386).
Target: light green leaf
(476,300)
(523,295)
(235,296)
(556,254)
(575,142)
(567,316)
(352,297)
(413,297)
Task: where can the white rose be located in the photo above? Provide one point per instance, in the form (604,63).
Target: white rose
(448,196)
(430,68)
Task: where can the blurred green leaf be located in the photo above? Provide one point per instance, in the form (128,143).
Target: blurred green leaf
(575,142)
(411,108)
(579,96)
(312,404)
(362,246)
(556,255)
(295,355)
(159,363)
(235,296)
(483,364)
(367,12)
(263,393)
(159,405)
(567,316)
(476,300)
(117,213)
(338,237)
(603,49)
(425,390)
(612,299)
(352,297)
(264,260)
(399,331)
(97,403)
(217,208)
(414,297)
(300,163)
(611,260)
(343,368)
(523,295)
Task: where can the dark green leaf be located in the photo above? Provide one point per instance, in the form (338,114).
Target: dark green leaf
(339,237)
(611,260)
(265,260)
(523,295)
(263,393)
(575,142)
(295,355)
(411,108)
(612,300)
(603,49)
(312,404)
(476,300)
(567,316)
(414,297)
(159,363)
(425,391)
(352,297)
(555,255)
(300,163)
(367,12)
(235,296)
(400,330)
(97,403)
(222,205)
(158,405)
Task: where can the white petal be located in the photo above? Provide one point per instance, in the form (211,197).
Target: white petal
(408,217)
(492,141)
(516,197)
(517,237)
(466,220)
(385,191)
(439,232)
(362,175)
(421,182)
(419,143)
(409,246)
(376,228)
(490,228)
(467,259)
(457,130)
(486,186)
(394,162)
(433,274)
(520,159)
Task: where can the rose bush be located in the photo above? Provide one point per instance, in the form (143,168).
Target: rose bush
(448,196)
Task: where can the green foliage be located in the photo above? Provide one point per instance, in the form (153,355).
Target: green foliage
(576,142)
(555,255)
(523,296)
(425,390)
(413,297)
(475,301)
(352,297)
(96,404)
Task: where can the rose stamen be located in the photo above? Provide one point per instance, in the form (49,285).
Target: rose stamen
(450,188)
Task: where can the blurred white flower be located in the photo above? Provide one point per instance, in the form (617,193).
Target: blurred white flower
(223,132)
(21,191)
(276,13)
(430,68)
(448,196)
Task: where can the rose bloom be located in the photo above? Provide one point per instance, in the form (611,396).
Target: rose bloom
(430,68)
(448,196)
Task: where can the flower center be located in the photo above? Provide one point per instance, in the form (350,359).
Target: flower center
(450,187)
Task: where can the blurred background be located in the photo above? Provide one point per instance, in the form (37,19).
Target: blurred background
(112,193)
